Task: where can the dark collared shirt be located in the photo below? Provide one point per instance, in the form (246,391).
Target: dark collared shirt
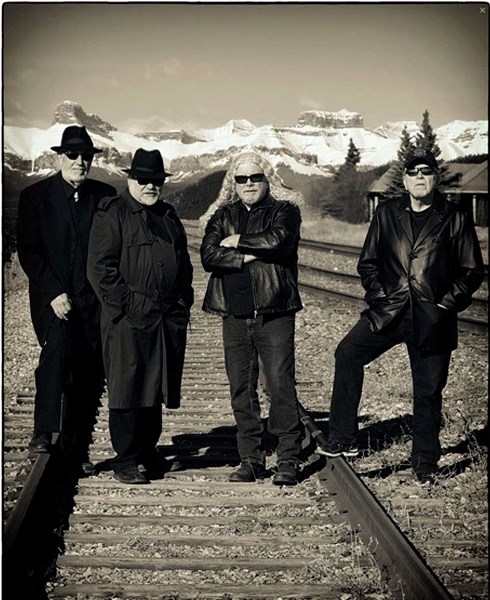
(238,286)
(82,214)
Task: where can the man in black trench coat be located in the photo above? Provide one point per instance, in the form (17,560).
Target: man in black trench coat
(140,269)
(54,220)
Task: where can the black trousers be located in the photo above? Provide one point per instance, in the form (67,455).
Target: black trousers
(429,375)
(70,377)
(270,338)
(134,434)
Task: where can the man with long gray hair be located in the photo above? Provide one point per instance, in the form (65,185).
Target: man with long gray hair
(250,246)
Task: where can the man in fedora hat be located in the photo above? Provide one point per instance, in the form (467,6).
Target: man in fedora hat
(54,220)
(140,269)
(419,265)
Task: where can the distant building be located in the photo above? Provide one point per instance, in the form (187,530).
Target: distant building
(471,189)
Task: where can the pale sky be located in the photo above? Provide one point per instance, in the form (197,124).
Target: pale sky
(150,67)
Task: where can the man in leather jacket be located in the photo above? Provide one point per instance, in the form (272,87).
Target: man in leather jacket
(420,264)
(250,247)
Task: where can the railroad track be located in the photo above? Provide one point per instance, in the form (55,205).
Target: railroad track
(195,535)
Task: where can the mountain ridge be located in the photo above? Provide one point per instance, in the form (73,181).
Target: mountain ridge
(315,145)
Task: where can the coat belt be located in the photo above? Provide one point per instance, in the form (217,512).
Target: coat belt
(155,295)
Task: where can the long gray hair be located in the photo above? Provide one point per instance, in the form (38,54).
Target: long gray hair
(277,188)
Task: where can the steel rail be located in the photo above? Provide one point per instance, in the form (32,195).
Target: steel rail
(17,517)
(330,247)
(467,323)
(393,550)
(356,278)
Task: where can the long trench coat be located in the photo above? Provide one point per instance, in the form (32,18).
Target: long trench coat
(144,284)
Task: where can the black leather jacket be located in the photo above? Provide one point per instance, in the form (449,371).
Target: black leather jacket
(272,234)
(443,267)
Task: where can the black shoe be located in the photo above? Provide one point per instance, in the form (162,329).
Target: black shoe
(333,449)
(287,474)
(87,468)
(248,472)
(40,443)
(155,467)
(130,475)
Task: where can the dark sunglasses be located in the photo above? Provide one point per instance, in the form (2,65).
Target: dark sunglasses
(423,170)
(145,181)
(74,155)
(254,178)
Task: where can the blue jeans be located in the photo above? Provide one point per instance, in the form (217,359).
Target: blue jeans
(272,339)
(429,375)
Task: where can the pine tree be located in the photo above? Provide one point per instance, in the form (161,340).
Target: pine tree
(349,189)
(351,160)
(406,148)
(353,155)
(427,139)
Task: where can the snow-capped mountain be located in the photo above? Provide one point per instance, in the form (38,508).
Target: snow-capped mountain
(318,141)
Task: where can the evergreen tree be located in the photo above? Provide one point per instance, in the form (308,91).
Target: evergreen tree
(426,139)
(351,160)
(406,148)
(347,198)
(353,155)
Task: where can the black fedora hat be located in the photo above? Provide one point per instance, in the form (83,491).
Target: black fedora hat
(76,138)
(147,164)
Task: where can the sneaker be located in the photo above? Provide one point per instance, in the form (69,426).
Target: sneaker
(287,474)
(130,474)
(248,472)
(426,477)
(333,449)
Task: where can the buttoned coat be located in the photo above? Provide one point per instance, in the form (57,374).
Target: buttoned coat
(143,318)
(443,266)
(46,242)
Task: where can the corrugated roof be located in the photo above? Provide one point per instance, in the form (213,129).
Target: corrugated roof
(381,185)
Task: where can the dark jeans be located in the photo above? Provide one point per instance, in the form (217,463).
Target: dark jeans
(429,375)
(134,434)
(272,339)
(70,378)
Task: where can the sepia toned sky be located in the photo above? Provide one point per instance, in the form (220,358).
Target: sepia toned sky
(160,66)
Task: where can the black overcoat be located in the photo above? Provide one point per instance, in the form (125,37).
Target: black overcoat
(144,283)
(436,274)
(46,242)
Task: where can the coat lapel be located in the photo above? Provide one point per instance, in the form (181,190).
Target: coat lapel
(405,220)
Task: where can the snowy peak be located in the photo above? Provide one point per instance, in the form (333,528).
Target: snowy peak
(318,142)
(232,127)
(71,113)
(337,120)
(393,129)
